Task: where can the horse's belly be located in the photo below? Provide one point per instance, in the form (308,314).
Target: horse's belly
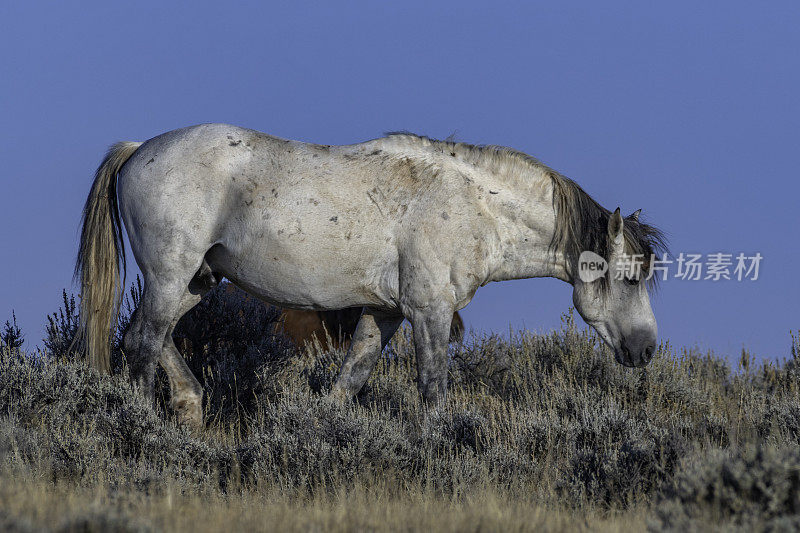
(310,274)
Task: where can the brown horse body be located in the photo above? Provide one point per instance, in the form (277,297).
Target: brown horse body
(307,327)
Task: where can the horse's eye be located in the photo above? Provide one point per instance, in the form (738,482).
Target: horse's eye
(630,281)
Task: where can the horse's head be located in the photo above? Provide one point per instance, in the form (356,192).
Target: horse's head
(615,301)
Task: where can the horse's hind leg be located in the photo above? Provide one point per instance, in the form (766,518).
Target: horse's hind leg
(373,332)
(160,304)
(186,393)
(131,339)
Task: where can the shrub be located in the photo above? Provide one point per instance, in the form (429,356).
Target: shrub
(756,487)
(12,337)
(62,326)
(548,419)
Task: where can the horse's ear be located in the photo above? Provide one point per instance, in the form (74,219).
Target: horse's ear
(635,215)
(615,226)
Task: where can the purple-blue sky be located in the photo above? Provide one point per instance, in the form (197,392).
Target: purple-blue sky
(689,112)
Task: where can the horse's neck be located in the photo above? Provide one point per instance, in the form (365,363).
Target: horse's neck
(526,222)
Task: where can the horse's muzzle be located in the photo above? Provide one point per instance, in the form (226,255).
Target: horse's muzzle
(635,354)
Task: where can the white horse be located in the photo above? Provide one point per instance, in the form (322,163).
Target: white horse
(403,226)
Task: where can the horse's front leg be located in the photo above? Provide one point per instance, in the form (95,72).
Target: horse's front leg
(431,333)
(374,330)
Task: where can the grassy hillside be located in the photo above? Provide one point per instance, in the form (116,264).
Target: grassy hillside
(540,432)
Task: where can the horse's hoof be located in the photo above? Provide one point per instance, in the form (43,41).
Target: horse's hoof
(338,395)
(189,413)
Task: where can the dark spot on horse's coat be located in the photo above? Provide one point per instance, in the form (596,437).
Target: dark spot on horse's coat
(313,201)
(376,196)
(248,202)
(492,192)
(445,216)
(235,143)
(453,154)
(274,193)
(334,219)
(280,232)
(349,157)
(151,160)
(376,152)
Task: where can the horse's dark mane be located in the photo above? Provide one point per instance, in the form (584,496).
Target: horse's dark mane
(582,224)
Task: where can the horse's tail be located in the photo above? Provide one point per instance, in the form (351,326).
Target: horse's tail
(100,253)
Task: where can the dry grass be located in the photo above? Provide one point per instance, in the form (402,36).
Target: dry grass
(29,503)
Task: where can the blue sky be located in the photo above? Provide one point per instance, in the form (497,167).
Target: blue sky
(688,112)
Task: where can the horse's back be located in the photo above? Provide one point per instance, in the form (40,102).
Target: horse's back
(301,225)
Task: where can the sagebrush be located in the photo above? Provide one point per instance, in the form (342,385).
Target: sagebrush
(539,432)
